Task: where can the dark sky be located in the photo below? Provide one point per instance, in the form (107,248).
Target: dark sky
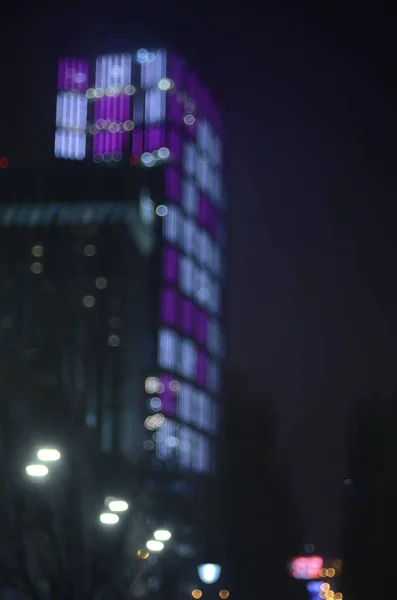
(309,101)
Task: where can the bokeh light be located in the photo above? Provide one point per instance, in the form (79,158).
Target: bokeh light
(197,594)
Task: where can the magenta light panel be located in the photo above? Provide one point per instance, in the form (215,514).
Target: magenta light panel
(71,109)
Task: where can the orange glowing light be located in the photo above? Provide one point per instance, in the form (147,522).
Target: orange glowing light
(325,587)
(197,594)
(144,554)
(224,594)
(3,163)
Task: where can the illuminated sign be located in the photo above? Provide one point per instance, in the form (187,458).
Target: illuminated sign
(306,567)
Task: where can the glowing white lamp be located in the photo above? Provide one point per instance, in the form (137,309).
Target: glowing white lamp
(118,505)
(48,454)
(109,518)
(154,545)
(36,470)
(209,572)
(162,535)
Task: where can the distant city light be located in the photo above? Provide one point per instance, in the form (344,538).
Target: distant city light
(109,518)
(209,572)
(306,567)
(197,594)
(118,505)
(114,340)
(101,283)
(189,120)
(163,153)
(88,301)
(36,268)
(147,159)
(48,454)
(36,470)
(152,385)
(89,250)
(154,545)
(224,594)
(154,421)
(37,250)
(165,84)
(162,535)
(143,554)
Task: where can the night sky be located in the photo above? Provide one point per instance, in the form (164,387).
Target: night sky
(309,102)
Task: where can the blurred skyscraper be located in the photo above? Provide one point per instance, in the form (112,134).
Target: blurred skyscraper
(112,263)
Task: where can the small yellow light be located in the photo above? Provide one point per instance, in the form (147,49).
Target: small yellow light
(329,594)
(197,594)
(331,572)
(325,587)
(338,596)
(143,554)
(224,594)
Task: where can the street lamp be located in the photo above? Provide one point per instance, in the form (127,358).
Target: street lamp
(154,545)
(48,454)
(162,535)
(109,518)
(209,572)
(36,470)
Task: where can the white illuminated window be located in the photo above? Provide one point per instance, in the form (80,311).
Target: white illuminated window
(202,171)
(70,144)
(167,440)
(190,198)
(189,237)
(187,275)
(168,349)
(203,287)
(190,158)
(187,403)
(206,249)
(171,224)
(188,359)
(154,106)
(71,110)
(154,70)
(113,70)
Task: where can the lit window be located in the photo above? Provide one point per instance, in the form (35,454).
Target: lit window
(71,111)
(203,287)
(154,71)
(214,338)
(206,248)
(168,349)
(186,403)
(189,236)
(187,275)
(171,224)
(190,158)
(169,306)
(146,209)
(154,106)
(203,172)
(113,70)
(188,362)
(166,440)
(190,198)
(185,446)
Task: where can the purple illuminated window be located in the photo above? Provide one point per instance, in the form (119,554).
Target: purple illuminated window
(110,113)
(202,368)
(169,306)
(175,144)
(174,108)
(170,264)
(187,316)
(154,138)
(73,74)
(168,397)
(137,142)
(202,322)
(173,184)
(176,70)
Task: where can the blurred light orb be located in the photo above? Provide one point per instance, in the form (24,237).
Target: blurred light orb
(37,250)
(143,554)
(114,340)
(151,385)
(80,77)
(88,301)
(142,56)
(118,505)
(129,90)
(149,445)
(128,125)
(163,153)
(154,422)
(36,268)
(189,120)
(109,518)
(101,283)
(165,84)
(197,594)
(99,92)
(162,535)
(155,403)
(174,386)
(89,250)
(161,210)
(224,594)
(203,293)
(154,545)
(209,572)
(36,470)
(325,587)
(48,454)
(147,159)
(90,93)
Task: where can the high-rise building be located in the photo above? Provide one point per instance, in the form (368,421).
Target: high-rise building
(113,259)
